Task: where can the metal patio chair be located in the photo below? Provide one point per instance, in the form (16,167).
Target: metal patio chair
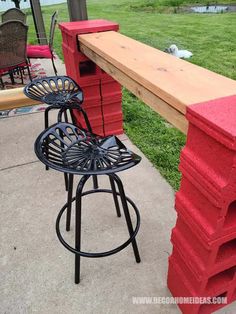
(13,41)
(44,51)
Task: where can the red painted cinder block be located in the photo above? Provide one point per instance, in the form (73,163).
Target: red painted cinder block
(78,66)
(234,294)
(180,286)
(73,58)
(193,205)
(93,110)
(99,130)
(204,239)
(111,117)
(216,118)
(95,83)
(87,26)
(212,285)
(95,113)
(91,91)
(113,128)
(210,218)
(110,88)
(106,76)
(70,30)
(81,69)
(113,123)
(112,105)
(205,257)
(75,54)
(96,124)
(212,138)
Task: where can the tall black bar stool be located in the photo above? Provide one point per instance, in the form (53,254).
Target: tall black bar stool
(61,93)
(86,154)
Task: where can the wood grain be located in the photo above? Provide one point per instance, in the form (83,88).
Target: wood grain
(172,115)
(177,82)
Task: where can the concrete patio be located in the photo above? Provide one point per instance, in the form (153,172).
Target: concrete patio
(37,271)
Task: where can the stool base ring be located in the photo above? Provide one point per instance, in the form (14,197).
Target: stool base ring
(101,254)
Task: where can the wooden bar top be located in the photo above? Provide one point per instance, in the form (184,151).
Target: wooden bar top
(177,82)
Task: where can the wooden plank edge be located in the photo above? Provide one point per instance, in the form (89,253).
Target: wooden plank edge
(15,98)
(169,113)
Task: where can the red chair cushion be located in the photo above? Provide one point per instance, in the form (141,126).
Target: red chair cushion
(38,51)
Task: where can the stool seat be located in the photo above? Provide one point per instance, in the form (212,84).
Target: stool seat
(54,90)
(67,148)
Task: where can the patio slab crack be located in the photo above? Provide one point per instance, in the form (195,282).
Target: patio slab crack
(19,165)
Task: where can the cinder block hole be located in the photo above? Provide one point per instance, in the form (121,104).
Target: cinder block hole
(226,251)
(219,280)
(87,68)
(210,307)
(230,219)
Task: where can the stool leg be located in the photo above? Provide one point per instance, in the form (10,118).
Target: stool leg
(78,225)
(127,215)
(65,174)
(95,182)
(65,116)
(59,118)
(69,198)
(72,117)
(113,187)
(46,123)
(88,125)
(46,112)
(62,111)
(66,181)
(59,115)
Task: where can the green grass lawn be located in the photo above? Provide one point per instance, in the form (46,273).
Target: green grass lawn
(211,38)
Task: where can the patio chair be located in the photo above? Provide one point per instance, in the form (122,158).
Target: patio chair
(13,41)
(44,51)
(14,14)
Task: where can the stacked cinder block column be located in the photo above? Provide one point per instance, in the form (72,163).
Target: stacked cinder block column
(102,94)
(111,94)
(203,261)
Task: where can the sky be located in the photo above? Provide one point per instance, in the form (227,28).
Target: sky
(9,4)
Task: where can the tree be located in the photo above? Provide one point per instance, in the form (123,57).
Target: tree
(16,2)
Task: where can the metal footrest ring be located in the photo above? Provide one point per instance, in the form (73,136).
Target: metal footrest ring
(101,254)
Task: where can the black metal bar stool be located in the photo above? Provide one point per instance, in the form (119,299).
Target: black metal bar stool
(56,91)
(87,154)
(61,93)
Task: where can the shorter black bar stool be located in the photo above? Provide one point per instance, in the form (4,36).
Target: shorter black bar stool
(86,154)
